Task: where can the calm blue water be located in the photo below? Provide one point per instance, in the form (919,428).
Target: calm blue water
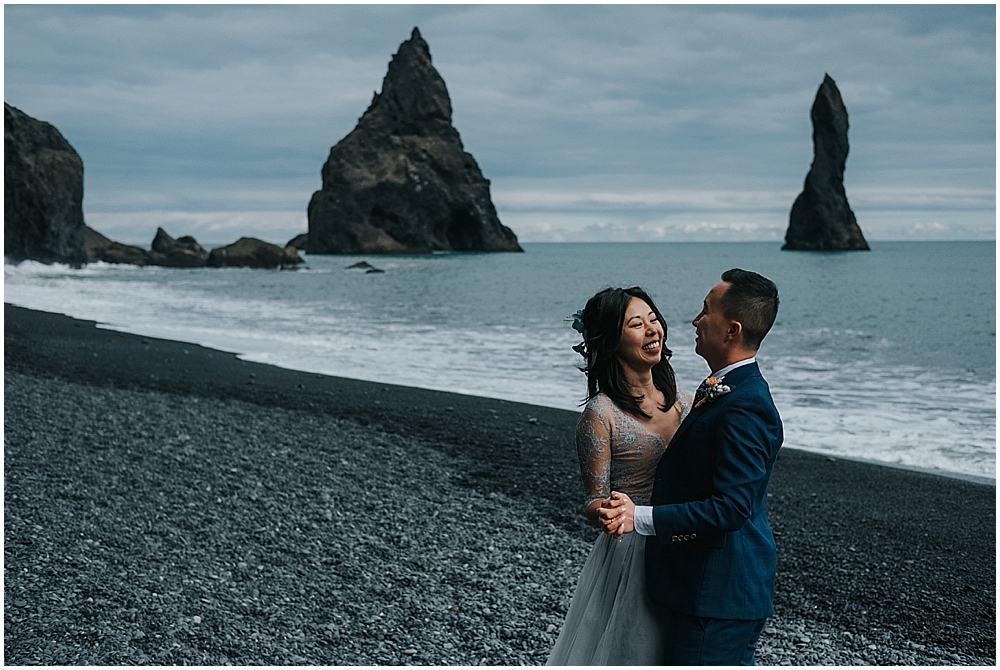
(888,355)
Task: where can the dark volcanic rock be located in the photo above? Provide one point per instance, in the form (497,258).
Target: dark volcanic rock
(821,218)
(401,182)
(184,252)
(299,242)
(95,244)
(249,252)
(43,192)
(364,265)
(100,248)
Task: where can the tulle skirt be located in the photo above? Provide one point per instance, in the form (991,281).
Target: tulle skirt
(610,620)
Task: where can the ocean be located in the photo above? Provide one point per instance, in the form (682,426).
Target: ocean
(886,356)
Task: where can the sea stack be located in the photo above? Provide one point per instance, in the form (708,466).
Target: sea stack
(401,181)
(43,192)
(821,218)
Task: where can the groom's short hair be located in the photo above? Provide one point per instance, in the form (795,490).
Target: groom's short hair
(752,300)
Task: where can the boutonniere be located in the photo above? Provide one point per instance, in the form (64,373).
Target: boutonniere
(710,390)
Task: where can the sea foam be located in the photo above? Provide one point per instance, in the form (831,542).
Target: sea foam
(492,326)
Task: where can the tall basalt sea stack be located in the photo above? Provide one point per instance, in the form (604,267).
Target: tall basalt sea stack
(43,192)
(821,218)
(401,182)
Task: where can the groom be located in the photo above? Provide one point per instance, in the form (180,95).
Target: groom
(710,554)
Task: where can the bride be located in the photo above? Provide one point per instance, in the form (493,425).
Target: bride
(632,412)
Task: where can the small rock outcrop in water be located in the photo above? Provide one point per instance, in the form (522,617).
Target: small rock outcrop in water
(100,248)
(184,252)
(299,242)
(249,252)
(43,192)
(367,267)
(401,181)
(821,218)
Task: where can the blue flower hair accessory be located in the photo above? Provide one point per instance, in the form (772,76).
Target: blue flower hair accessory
(578,326)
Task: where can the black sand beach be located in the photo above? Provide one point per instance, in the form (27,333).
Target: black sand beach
(170,504)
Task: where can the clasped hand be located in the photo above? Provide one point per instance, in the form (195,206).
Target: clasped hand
(617,514)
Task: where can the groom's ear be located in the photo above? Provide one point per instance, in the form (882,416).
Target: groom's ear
(735,332)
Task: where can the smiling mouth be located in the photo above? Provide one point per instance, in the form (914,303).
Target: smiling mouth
(652,346)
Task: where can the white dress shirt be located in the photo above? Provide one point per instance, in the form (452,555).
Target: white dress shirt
(643,518)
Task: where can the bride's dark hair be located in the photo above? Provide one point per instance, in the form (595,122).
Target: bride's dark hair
(603,319)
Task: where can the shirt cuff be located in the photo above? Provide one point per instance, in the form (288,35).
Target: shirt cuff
(643,520)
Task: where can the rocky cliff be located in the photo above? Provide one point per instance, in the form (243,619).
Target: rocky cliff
(43,192)
(821,218)
(401,181)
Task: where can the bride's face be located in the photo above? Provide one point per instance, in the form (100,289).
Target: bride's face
(642,336)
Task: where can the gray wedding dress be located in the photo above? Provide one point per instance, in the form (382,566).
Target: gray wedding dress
(610,621)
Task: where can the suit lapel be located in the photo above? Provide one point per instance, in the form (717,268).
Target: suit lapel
(733,379)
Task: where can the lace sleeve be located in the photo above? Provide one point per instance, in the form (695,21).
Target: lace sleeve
(593,448)
(686,401)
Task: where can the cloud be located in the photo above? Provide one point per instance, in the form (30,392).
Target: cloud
(925,197)
(673,199)
(211,229)
(736,227)
(562,210)
(575,110)
(191,192)
(625,227)
(606,197)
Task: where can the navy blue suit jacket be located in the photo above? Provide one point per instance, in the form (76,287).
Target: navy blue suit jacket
(713,554)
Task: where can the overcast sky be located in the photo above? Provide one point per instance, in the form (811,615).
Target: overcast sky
(594,123)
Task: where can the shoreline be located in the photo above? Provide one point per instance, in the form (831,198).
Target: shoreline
(868,554)
(972,478)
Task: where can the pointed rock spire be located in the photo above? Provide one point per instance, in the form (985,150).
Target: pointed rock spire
(401,181)
(821,218)
(414,99)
